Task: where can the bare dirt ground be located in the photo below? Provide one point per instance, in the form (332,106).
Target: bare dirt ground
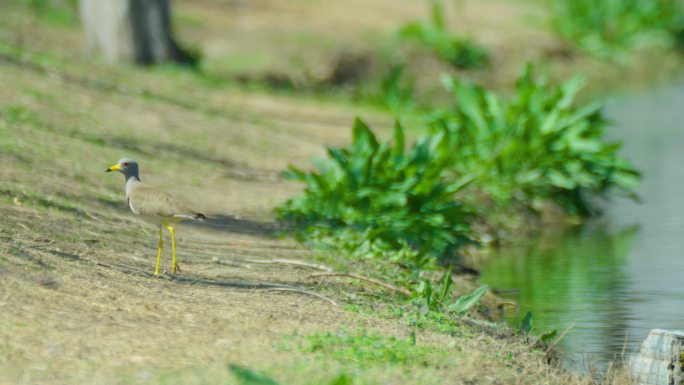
(77,301)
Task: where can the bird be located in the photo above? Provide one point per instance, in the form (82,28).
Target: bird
(156,206)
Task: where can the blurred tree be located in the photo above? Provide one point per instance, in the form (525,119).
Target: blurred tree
(132,31)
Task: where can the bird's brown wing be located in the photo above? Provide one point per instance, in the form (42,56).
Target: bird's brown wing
(148,201)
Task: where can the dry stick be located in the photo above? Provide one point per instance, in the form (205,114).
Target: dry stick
(507,303)
(239,284)
(624,350)
(557,340)
(291,262)
(362,278)
(23,226)
(92,216)
(484,328)
(304,292)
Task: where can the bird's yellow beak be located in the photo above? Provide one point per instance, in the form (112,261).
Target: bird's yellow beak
(116,167)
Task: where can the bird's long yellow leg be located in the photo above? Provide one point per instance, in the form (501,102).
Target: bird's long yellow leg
(159,251)
(174,264)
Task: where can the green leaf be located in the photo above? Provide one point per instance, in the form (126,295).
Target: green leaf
(398,142)
(559,180)
(362,136)
(397,199)
(570,90)
(247,376)
(548,336)
(549,124)
(446,283)
(526,323)
(469,104)
(627,180)
(465,302)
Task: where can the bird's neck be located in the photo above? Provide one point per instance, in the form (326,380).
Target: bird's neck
(131,182)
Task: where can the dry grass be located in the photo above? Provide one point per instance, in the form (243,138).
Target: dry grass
(77,303)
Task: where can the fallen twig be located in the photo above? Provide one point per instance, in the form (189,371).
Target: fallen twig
(332,302)
(238,284)
(362,278)
(93,217)
(557,340)
(291,262)
(220,261)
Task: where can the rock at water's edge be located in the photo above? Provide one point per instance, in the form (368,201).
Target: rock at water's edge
(660,360)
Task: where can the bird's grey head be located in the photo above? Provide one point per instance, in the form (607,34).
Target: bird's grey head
(126,166)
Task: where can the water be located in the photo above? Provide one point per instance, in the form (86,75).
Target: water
(613,281)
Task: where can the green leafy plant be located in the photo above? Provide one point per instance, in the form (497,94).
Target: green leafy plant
(459,52)
(536,145)
(607,28)
(440,298)
(393,88)
(382,192)
(396,90)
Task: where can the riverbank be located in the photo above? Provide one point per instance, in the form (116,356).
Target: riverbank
(78,302)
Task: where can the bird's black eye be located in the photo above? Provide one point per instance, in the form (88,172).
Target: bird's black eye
(125,164)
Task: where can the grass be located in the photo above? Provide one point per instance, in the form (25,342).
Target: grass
(61,13)
(364,349)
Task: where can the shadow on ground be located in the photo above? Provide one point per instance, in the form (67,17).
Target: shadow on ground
(231,224)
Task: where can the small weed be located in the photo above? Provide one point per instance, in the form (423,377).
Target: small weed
(366,349)
(395,91)
(246,376)
(56,12)
(439,298)
(460,52)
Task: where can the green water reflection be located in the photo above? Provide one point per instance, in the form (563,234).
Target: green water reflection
(572,279)
(616,282)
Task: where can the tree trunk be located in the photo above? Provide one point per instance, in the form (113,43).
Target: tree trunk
(131,31)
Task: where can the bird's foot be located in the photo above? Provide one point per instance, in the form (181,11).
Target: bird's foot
(176,269)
